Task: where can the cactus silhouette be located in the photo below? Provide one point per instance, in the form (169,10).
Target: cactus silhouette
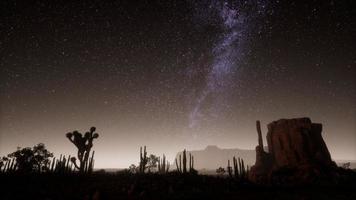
(143,160)
(191,163)
(163,165)
(229,169)
(184,161)
(239,169)
(84,145)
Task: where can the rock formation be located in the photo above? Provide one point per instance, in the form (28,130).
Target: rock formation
(296,152)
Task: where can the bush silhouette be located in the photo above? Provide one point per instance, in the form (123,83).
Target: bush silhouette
(32,159)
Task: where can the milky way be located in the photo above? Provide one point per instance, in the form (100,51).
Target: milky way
(237,21)
(173,74)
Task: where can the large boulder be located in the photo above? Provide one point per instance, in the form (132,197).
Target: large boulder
(296,153)
(294,142)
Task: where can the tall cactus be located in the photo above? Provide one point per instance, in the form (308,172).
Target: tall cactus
(239,169)
(84,145)
(236,170)
(180,163)
(191,163)
(183,167)
(184,161)
(143,160)
(229,169)
(177,166)
(163,165)
(243,170)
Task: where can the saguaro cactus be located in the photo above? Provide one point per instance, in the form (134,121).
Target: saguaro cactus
(84,145)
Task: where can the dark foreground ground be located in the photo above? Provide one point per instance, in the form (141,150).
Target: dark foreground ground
(153,186)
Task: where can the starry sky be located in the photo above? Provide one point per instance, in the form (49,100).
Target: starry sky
(174,74)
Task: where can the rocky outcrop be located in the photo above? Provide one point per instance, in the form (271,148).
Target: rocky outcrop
(296,152)
(297,141)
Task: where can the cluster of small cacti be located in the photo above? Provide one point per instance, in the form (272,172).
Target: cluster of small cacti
(61,165)
(8,165)
(163,165)
(238,170)
(143,160)
(182,167)
(84,145)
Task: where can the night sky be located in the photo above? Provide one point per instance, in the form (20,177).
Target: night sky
(174,74)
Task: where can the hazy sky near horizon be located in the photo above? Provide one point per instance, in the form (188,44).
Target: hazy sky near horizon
(174,74)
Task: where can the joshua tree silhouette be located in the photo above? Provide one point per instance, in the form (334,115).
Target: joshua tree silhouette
(84,145)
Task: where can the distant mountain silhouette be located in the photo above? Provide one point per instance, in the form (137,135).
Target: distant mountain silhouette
(213,157)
